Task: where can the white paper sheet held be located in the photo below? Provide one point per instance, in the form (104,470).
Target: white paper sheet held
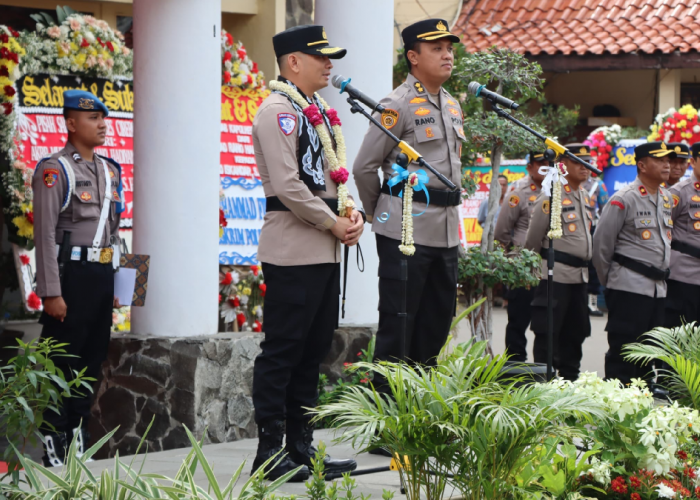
(124,284)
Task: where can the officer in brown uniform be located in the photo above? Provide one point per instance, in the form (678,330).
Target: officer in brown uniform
(679,164)
(683,296)
(511,229)
(77,206)
(300,252)
(424,115)
(631,252)
(572,253)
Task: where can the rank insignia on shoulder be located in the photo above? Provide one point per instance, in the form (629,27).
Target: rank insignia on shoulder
(696,225)
(695,198)
(50,177)
(618,204)
(389,118)
(287,122)
(642,190)
(417,100)
(677,199)
(454,111)
(421,111)
(566,202)
(567,188)
(76,157)
(545,207)
(697,186)
(85,196)
(429,132)
(572,227)
(513,201)
(419,87)
(532,198)
(646,234)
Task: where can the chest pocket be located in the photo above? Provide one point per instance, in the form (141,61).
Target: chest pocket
(645,228)
(570,216)
(85,204)
(431,141)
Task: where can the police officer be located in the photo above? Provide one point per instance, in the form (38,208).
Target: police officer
(511,229)
(424,115)
(77,191)
(683,297)
(299,250)
(572,253)
(679,164)
(631,252)
(597,197)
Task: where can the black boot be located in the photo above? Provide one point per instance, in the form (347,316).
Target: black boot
(300,436)
(55,446)
(270,435)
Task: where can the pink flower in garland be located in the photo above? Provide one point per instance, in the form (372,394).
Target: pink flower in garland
(340,176)
(332,115)
(314,115)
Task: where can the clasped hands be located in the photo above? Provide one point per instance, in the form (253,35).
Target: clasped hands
(349,229)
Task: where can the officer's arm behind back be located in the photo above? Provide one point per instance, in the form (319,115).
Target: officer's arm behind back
(375,147)
(506,222)
(539,223)
(280,155)
(609,226)
(48,198)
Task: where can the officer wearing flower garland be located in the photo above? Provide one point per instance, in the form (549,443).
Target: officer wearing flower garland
(300,153)
(683,297)
(511,230)
(424,115)
(631,252)
(572,255)
(77,192)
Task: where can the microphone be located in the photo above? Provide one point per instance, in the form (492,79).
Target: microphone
(480,90)
(340,82)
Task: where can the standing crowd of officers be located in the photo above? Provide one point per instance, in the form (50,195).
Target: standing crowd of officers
(646,249)
(643,248)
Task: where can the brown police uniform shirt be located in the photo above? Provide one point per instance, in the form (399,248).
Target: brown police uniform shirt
(637,225)
(81,217)
(514,219)
(686,229)
(434,129)
(576,237)
(300,236)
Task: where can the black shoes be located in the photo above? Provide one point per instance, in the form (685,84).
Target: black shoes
(300,447)
(270,436)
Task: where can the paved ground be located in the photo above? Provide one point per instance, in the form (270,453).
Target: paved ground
(225,458)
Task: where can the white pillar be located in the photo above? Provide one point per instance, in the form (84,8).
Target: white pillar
(669,89)
(177,114)
(365,29)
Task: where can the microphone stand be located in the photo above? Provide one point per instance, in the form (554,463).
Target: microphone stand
(554,150)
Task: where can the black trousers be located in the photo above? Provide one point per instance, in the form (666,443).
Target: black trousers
(682,303)
(629,316)
(301,314)
(431,301)
(571,326)
(88,290)
(519,315)
(594,286)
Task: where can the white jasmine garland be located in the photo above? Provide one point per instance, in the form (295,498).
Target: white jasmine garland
(407,244)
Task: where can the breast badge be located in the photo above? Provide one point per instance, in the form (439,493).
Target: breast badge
(695,198)
(389,118)
(669,235)
(646,234)
(572,227)
(571,216)
(417,100)
(429,133)
(85,196)
(421,111)
(566,202)
(532,198)
(454,111)
(696,225)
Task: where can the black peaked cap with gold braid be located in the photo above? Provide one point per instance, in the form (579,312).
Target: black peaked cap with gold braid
(309,39)
(681,150)
(579,149)
(653,150)
(427,31)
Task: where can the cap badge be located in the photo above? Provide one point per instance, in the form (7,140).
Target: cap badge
(441,27)
(663,145)
(85,103)
(323,34)
(677,149)
(582,151)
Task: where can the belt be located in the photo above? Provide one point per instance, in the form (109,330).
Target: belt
(565,258)
(438,197)
(650,272)
(685,248)
(274,204)
(88,254)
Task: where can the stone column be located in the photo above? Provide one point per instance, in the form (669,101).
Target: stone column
(365,28)
(177,113)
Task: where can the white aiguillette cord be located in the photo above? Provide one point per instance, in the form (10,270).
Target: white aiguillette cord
(103,214)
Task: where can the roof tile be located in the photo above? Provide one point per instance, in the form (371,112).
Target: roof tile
(582,26)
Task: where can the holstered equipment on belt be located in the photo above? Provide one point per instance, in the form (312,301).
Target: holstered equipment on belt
(565,258)
(64,254)
(438,197)
(650,272)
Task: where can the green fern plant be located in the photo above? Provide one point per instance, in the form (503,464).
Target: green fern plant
(679,348)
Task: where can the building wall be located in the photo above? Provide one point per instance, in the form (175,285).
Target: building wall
(407,12)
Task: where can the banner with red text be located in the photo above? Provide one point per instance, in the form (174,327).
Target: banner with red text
(43,130)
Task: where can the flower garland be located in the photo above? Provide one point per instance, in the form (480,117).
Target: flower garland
(241,299)
(601,141)
(680,125)
(555,177)
(336,163)
(80,44)
(238,70)
(407,244)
